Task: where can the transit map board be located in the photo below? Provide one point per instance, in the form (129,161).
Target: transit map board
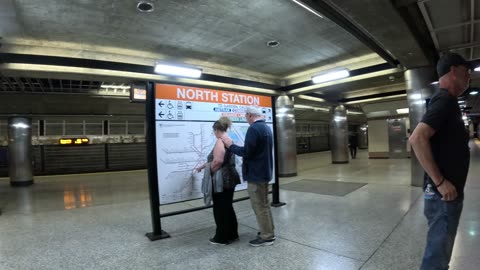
(184,117)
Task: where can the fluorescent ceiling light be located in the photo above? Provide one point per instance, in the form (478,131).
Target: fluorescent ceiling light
(311,98)
(308,8)
(376,99)
(115,86)
(178,71)
(307,107)
(461,101)
(403,111)
(473,93)
(330,76)
(378,114)
(477,69)
(435,82)
(353,112)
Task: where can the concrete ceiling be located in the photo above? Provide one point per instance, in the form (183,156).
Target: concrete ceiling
(229,39)
(232,35)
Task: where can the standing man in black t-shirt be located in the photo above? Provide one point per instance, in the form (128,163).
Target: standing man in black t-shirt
(440,142)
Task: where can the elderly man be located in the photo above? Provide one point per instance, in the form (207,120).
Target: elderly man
(257,170)
(440,143)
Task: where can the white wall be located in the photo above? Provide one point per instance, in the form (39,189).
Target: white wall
(378,136)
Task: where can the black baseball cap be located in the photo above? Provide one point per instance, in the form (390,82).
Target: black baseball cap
(451,59)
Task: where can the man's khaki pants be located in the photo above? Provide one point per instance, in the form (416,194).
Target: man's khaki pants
(258,193)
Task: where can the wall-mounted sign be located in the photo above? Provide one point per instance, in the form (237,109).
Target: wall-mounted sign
(138,93)
(73,141)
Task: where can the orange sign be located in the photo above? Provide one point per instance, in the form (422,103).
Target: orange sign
(178,92)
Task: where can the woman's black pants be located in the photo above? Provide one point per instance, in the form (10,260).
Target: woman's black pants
(225,218)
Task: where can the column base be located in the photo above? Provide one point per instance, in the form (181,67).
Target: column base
(154,237)
(21,183)
(339,162)
(279,204)
(287,175)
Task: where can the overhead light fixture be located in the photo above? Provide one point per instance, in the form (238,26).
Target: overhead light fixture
(178,71)
(121,86)
(308,8)
(354,112)
(464,117)
(331,76)
(473,93)
(376,99)
(311,98)
(435,82)
(378,114)
(477,69)
(403,111)
(461,101)
(308,107)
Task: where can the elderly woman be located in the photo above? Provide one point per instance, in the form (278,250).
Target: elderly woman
(221,160)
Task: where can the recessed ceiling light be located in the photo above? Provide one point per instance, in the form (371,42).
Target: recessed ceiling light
(273,43)
(145,6)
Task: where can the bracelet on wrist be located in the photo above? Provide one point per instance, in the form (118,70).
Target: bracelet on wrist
(441,182)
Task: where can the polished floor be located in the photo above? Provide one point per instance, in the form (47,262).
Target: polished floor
(98,221)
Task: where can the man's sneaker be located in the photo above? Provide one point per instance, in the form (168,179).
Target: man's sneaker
(273,237)
(215,242)
(257,242)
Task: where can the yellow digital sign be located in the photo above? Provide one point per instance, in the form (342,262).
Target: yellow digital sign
(74,141)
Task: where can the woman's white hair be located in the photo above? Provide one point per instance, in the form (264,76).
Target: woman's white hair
(254,111)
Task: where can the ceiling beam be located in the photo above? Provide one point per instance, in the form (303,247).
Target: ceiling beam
(455,25)
(461,46)
(13,58)
(428,21)
(472,25)
(367,76)
(328,11)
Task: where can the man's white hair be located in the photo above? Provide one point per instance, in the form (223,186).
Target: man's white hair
(254,111)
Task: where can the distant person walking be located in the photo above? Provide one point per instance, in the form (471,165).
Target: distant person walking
(222,161)
(257,169)
(440,142)
(353,144)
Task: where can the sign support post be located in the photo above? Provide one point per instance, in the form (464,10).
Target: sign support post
(157,233)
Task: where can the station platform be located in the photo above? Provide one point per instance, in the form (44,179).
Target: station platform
(361,215)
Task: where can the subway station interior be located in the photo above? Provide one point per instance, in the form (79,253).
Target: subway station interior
(76,141)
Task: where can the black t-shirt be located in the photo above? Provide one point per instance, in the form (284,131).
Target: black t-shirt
(450,141)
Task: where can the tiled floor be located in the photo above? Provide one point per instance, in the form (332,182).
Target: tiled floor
(98,221)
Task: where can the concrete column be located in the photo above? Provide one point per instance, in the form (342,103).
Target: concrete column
(286,136)
(419,89)
(339,135)
(19,151)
